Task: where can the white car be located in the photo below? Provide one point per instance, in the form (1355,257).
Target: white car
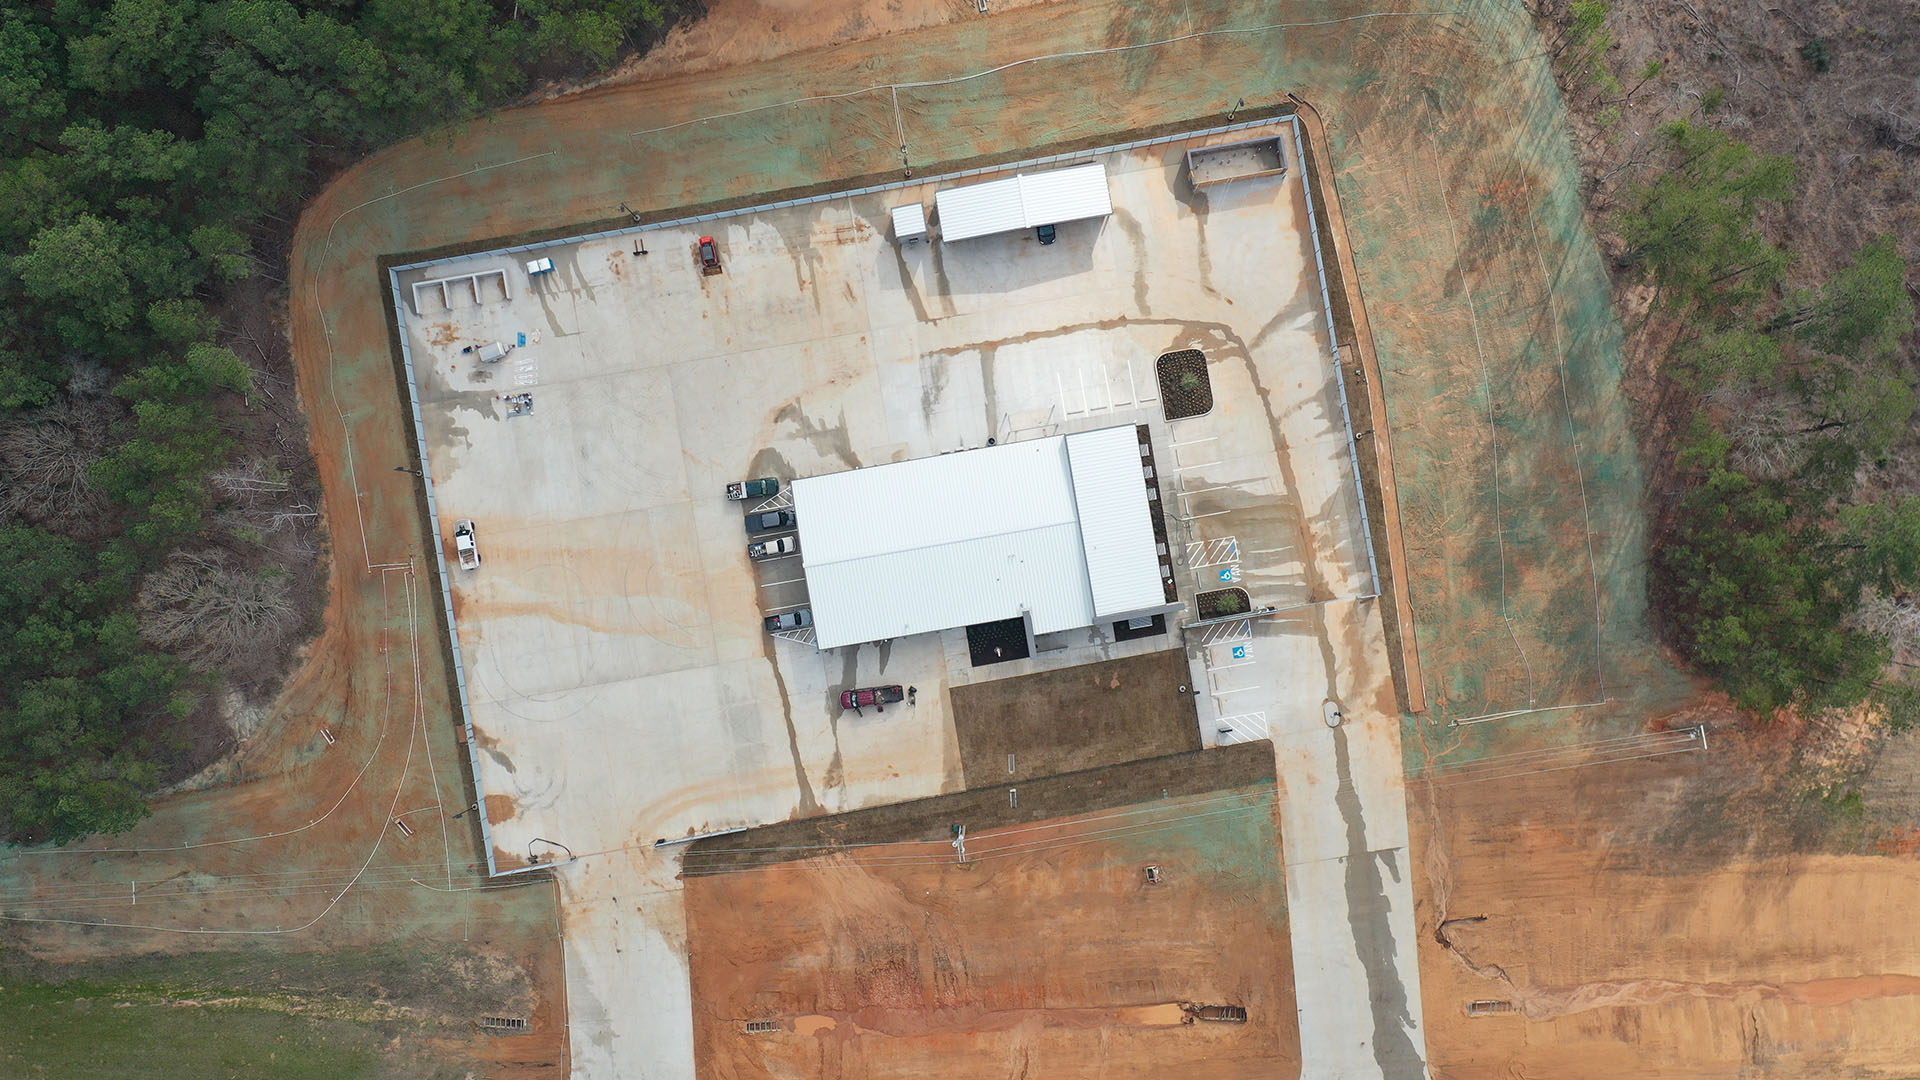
(465,545)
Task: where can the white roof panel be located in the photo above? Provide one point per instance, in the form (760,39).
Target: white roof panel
(909,220)
(973,581)
(980,209)
(1050,198)
(1116,529)
(927,502)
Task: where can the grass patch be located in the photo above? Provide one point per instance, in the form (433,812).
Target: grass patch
(383,1012)
(104,1031)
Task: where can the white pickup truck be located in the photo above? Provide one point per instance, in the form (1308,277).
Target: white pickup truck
(774,548)
(464,545)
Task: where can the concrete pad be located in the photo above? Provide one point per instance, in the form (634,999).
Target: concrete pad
(621,684)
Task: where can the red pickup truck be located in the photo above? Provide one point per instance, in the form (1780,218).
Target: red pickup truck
(877,696)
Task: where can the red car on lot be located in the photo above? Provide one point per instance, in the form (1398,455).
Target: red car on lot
(877,696)
(709,256)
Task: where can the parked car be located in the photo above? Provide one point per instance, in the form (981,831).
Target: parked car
(769,521)
(753,489)
(877,696)
(774,548)
(709,256)
(789,620)
(1047,234)
(466,546)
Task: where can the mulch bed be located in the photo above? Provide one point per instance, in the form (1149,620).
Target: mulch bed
(1213,605)
(1185,390)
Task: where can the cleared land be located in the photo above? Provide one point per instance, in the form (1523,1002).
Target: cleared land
(1446,142)
(1045,953)
(1636,935)
(1077,718)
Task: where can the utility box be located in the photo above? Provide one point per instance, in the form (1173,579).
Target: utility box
(909,224)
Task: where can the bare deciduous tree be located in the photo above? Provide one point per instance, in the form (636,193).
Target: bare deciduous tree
(46,458)
(213,615)
(1896,619)
(1766,435)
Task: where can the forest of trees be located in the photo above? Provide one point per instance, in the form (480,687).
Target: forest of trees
(1785,561)
(153,154)
(1787,574)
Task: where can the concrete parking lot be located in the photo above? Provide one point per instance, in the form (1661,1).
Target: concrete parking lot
(620,683)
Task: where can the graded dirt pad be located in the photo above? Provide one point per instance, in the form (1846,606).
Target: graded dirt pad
(1632,943)
(1076,718)
(1046,954)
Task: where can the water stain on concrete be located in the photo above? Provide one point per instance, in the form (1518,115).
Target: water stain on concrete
(546,308)
(576,279)
(769,462)
(828,440)
(1138,239)
(1205,260)
(809,806)
(1309,555)
(1318,615)
(941,286)
(933,384)
(987,354)
(1393,1045)
(797,240)
(910,286)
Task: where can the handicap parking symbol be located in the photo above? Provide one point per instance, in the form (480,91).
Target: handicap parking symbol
(1239,652)
(1229,573)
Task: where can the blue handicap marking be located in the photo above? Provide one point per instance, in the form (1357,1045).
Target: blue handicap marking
(1239,652)
(523,337)
(1226,574)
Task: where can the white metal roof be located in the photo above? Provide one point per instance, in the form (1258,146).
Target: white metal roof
(1050,198)
(975,536)
(980,209)
(1019,202)
(1116,529)
(909,221)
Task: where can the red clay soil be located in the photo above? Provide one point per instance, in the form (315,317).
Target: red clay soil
(1635,936)
(1047,955)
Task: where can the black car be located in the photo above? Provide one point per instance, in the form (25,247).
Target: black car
(767,522)
(1046,234)
(789,620)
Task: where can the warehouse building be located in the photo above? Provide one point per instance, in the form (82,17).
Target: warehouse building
(1061,533)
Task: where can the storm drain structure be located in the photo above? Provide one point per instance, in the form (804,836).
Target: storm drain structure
(1056,532)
